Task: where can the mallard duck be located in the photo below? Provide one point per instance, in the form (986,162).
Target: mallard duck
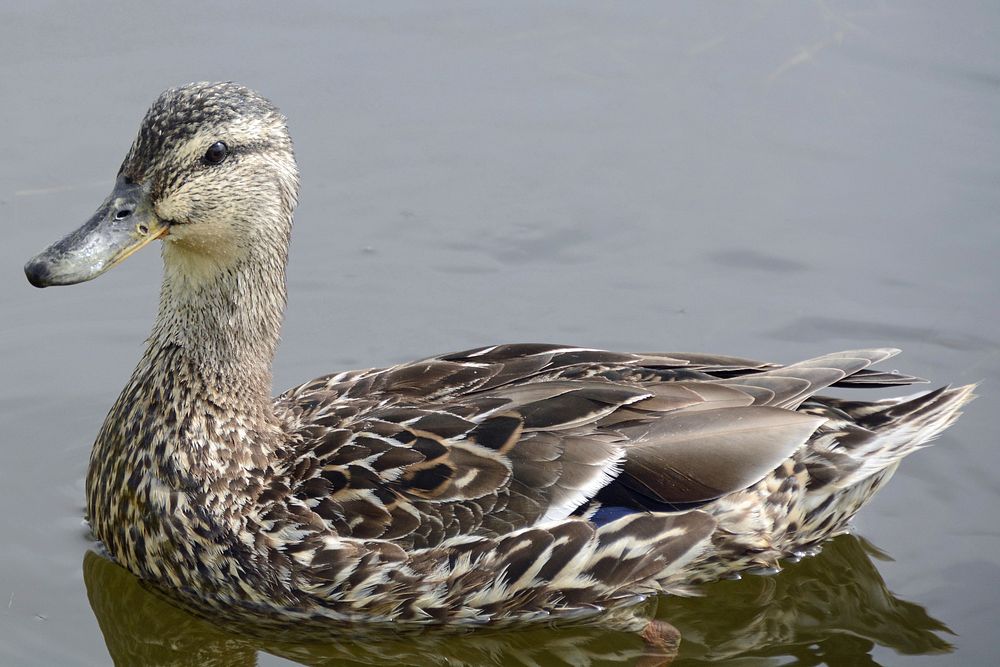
(503,483)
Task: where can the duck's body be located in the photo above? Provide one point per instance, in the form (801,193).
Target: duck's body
(509,482)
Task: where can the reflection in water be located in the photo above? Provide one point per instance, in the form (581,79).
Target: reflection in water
(832,609)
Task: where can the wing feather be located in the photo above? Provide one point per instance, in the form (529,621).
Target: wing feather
(695,456)
(497,439)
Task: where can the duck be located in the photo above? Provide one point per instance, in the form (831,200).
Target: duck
(510,483)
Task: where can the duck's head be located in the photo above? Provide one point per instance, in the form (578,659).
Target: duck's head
(211,172)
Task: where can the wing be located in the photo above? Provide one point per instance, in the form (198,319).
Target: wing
(492,440)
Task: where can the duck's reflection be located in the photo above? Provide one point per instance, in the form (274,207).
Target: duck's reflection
(831,609)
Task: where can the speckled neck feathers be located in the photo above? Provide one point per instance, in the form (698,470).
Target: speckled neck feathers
(224,319)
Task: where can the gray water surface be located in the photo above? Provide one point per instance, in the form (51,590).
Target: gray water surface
(767,179)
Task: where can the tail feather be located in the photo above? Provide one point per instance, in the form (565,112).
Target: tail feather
(907,424)
(919,408)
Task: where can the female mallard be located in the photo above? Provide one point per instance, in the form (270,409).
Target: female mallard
(505,482)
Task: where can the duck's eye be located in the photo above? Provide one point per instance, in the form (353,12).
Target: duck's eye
(216,153)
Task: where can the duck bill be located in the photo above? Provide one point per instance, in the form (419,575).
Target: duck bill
(123,224)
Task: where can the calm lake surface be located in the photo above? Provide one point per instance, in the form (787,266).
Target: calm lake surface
(767,179)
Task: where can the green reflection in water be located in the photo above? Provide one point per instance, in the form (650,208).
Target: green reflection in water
(832,609)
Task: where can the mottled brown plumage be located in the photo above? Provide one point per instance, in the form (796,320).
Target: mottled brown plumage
(512,482)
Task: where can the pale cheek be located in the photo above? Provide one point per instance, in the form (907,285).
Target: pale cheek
(214,239)
(205,231)
(174,208)
(194,257)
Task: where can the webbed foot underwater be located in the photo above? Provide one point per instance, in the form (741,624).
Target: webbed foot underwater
(507,483)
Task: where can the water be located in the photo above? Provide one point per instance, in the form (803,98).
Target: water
(773,180)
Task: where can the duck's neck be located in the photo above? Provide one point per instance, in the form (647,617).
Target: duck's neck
(198,406)
(223,321)
(194,431)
